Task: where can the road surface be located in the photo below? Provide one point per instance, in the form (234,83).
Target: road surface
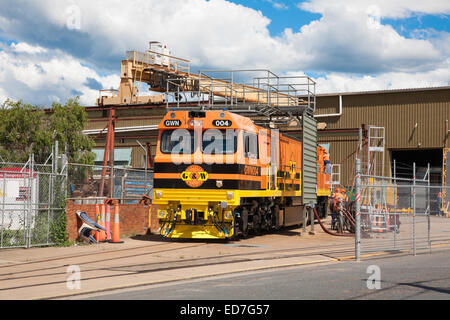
(425,276)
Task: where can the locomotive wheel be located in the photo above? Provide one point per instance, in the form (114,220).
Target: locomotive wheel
(276,222)
(257,225)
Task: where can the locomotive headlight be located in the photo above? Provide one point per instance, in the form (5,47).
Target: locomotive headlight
(228,215)
(230,195)
(158,194)
(162,214)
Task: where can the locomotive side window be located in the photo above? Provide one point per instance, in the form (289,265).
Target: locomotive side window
(219,141)
(250,145)
(178,141)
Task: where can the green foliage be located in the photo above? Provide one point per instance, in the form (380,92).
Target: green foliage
(27,129)
(58,230)
(13,238)
(67,122)
(22,131)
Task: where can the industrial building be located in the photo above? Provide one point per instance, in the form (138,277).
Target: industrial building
(415,123)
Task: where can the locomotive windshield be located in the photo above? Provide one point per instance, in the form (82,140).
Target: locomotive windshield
(219,142)
(180,141)
(214,141)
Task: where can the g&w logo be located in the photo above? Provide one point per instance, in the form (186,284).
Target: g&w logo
(194,176)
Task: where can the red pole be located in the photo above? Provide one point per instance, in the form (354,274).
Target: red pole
(107,153)
(111,157)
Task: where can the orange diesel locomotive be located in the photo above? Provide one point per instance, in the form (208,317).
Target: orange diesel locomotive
(218,175)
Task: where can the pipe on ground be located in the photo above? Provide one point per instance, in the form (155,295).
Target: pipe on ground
(328,231)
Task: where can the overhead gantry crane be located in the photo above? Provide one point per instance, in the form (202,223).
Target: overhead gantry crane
(265,93)
(277,101)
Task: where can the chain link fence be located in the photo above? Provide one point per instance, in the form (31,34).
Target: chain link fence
(32,199)
(33,196)
(399,214)
(93,184)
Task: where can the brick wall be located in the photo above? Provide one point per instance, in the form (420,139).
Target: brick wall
(134,218)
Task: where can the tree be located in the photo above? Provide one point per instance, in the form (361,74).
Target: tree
(22,131)
(67,123)
(27,129)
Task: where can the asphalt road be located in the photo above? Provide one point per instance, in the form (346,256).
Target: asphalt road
(402,277)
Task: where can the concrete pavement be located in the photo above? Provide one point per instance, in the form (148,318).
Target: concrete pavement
(45,273)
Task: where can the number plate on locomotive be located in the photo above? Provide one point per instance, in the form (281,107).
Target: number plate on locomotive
(222,123)
(172,123)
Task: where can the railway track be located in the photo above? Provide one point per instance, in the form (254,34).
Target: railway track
(150,259)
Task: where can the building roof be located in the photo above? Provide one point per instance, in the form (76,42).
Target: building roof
(383,91)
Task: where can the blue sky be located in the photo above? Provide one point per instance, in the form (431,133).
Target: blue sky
(53,49)
(283,14)
(287,14)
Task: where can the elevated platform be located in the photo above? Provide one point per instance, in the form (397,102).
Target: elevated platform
(259,92)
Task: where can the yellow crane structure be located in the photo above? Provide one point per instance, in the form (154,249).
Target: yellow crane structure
(267,94)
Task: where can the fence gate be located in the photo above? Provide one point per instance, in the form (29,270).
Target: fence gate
(398,214)
(32,199)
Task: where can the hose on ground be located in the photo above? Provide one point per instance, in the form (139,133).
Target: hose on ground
(328,231)
(349,217)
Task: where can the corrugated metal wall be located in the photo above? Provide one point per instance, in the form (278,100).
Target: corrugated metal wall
(309,159)
(398,112)
(131,117)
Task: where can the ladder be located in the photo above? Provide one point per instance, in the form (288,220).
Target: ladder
(375,165)
(335,176)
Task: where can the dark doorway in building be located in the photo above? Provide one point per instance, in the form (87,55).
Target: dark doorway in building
(404,160)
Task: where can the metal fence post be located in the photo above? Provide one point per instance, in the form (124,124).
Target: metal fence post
(429,209)
(396,215)
(414,208)
(56,155)
(358,210)
(3,207)
(29,218)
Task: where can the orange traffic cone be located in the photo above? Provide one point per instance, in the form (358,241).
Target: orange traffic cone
(379,225)
(108,223)
(116,226)
(102,236)
(97,218)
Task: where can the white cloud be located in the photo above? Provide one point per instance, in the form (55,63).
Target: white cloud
(347,43)
(43,78)
(387,8)
(221,34)
(3,96)
(336,82)
(278,5)
(26,48)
